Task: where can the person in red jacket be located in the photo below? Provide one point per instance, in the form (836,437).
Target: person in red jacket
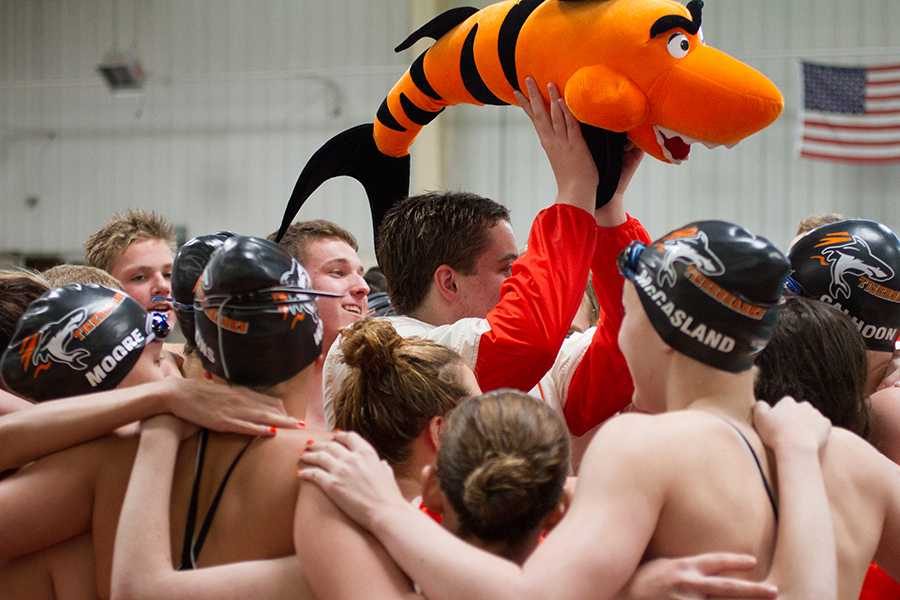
(454,277)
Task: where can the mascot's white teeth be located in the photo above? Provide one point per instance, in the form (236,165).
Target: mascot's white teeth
(676,146)
(671,133)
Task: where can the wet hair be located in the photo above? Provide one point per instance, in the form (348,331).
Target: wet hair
(813,221)
(395,386)
(424,232)
(65,274)
(502,464)
(817,355)
(18,289)
(108,243)
(299,235)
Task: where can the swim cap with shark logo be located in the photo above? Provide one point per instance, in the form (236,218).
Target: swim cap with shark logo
(190,260)
(75,340)
(853,265)
(711,290)
(256,317)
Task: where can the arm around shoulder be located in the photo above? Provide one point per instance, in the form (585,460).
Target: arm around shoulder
(619,495)
(10,403)
(325,539)
(887,476)
(50,500)
(884,411)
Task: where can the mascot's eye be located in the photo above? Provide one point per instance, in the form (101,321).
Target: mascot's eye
(678,45)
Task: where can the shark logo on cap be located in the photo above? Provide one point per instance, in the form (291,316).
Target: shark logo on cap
(295,276)
(848,255)
(51,344)
(688,247)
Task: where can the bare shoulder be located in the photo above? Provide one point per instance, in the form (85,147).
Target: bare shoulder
(272,457)
(642,431)
(294,441)
(108,451)
(884,419)
(657,443)
(850,460)
(891,394)
(851,454)
(318,522)
(113,456)
(10,403)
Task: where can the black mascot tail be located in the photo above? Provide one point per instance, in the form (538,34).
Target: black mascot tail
(352,153)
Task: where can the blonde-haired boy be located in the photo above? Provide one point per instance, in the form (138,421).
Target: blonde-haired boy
(136,247)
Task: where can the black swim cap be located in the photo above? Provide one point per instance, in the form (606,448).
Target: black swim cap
(75,340)
(187,268)
(257,323)
(853,265)
(711,290)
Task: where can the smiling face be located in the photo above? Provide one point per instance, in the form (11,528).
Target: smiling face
(334,266)
(145,271)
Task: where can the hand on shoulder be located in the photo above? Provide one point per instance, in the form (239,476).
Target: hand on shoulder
(791,425)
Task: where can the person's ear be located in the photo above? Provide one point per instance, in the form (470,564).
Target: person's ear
(434,432)
(555,516)
(432,496)
(445,283)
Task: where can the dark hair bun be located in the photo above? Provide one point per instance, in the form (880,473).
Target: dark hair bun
(369,345)
(497,489)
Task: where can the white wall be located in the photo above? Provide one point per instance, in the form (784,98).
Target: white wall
(240,93)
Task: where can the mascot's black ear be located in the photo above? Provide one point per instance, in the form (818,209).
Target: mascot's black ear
(437,27)
(695,7)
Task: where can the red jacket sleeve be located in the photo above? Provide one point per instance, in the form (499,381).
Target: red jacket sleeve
(538,301)
(878,585)
(601,384)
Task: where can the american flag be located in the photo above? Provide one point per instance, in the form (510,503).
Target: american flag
(851,114)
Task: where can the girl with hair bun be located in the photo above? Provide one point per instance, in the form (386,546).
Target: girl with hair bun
(491,468)
(398,389)
(500,472)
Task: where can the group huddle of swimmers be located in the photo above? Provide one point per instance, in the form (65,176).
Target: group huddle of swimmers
(709,485)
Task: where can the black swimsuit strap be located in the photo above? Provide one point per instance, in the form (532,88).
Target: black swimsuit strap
(192,547)
(769,492)
(191,522)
